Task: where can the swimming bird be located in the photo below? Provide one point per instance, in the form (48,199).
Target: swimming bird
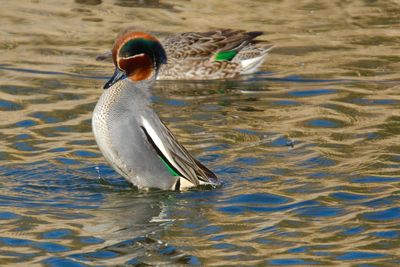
(127,130)
(217,54)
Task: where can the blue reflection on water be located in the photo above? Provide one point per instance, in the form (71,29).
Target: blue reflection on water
(47,246)
(8,105)
(308,93)
(360,255)
(323,123)
(291,261)
(387,234)
(348,197)
(56,234)
(258,198)
(62,262)
(374,179)
(5,215)
(383,215)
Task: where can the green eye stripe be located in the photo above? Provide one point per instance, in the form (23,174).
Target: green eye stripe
(132,47)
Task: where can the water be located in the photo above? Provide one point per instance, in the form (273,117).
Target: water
(307,149)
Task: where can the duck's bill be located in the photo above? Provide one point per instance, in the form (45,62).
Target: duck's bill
(117,76)
(107,56)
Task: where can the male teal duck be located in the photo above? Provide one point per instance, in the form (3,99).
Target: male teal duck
(217,54)
(129,133)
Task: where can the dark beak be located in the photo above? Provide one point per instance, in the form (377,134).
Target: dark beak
(118,75)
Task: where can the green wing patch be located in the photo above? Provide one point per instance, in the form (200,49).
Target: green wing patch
(170,169)
(225,55)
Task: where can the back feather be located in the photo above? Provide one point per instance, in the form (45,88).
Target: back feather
(208,44)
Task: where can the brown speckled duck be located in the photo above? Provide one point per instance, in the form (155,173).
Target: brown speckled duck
(217,54)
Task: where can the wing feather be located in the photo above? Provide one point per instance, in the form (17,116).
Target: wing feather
(176,155)
(206,44)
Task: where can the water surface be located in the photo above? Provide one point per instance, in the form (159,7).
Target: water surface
(307,149)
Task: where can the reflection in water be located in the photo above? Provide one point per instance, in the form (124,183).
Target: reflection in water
(89,2)
(128,224)
(107,222)
(127,214)
(143,3)
(331,199)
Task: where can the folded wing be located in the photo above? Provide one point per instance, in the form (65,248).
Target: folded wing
(176,158)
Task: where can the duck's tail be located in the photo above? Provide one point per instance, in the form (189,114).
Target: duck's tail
(251,57)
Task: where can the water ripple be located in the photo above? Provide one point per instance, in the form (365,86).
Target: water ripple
(307,148)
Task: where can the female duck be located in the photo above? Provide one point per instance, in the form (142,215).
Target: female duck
(218,54)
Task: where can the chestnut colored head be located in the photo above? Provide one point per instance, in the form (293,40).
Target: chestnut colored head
(136,55)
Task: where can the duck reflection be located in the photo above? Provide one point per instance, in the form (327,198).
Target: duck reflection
(128,223)
(129,213)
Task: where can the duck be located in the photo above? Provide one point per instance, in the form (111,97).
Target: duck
(129,133)
(211,55)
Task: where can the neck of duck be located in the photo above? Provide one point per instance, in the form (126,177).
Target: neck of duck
(127,94)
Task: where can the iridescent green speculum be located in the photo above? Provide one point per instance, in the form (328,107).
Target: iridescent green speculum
(225,55)
(170,169)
